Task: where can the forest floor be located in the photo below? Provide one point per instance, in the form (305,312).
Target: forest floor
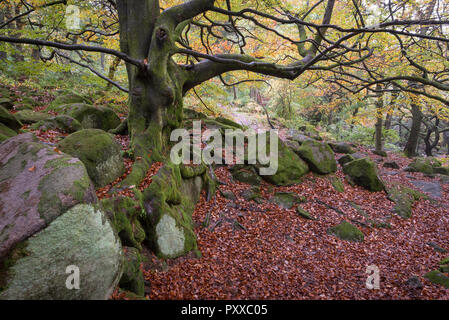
(261,251)
(276,254)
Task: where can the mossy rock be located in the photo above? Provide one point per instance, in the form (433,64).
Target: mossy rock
(437,277)
(169,203)
(68,99)
(6,132)
(124,214)
(290,167)
(346,231)
(441,170)
(30,117)
(286,200)
(99,152)
(341,147)
(403,198)
(319,156)
(91,117)
(424,165)
(132,278)
(62,122)
(246,174)
(41,266)
(363,172)
(37,185)
(9,120)
(6,103)
(345,159)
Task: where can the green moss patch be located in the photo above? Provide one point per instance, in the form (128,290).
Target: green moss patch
(346,231)
(363,172)
(319,156)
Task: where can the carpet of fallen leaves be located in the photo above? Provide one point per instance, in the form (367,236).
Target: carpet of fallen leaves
(279,255)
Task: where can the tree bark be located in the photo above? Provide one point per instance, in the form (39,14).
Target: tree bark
(412,142)
(379,117)
(155,92)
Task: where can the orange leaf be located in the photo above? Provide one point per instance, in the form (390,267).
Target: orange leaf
(32,169)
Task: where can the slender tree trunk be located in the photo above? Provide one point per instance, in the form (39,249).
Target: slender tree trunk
(389,117)
(112,69)
(429,146)
(379,116)
(3,54)
(412,143)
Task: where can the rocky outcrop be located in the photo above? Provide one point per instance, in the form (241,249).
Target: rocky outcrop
(51,221)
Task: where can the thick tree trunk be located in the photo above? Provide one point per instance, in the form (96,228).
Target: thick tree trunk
(155,92)
(412,142)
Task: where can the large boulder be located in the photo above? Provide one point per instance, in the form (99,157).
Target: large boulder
(50,221)
(363,172)
(63,122)
(424,165)
(99,152)
(319,156)
(80,240)
(290,167)
(91,117)
(68,98)
(30,117)
(9,120)
(341,147)
(246,174)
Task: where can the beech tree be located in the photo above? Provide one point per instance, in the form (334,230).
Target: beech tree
(163,65)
